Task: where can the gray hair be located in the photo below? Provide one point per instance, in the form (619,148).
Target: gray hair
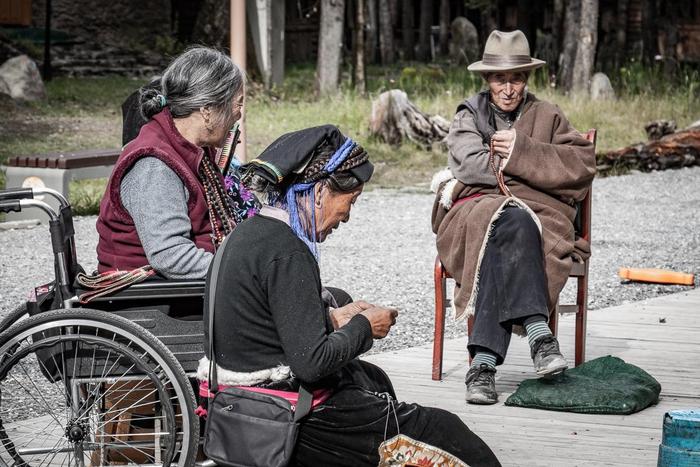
(199,77)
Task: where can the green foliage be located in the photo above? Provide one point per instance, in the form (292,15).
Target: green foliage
(636,78)
(85,196)
(102,95)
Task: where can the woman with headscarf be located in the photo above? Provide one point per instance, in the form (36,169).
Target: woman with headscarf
(166,207)
(272,331)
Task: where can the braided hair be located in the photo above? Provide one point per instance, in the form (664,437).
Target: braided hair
(340,180)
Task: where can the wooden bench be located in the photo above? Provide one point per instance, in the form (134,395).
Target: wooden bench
(57,170)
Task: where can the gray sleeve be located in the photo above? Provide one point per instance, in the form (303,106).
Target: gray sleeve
(156,199)
(468,157)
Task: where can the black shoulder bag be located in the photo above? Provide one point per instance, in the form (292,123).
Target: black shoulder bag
(245,428)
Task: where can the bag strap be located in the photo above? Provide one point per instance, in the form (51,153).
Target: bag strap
(305,398)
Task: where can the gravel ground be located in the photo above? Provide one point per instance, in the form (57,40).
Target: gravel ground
(385,254)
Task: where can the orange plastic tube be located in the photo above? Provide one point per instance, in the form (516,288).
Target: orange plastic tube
(659,276)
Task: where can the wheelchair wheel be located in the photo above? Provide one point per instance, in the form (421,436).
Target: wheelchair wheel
(14,316)
(84,387)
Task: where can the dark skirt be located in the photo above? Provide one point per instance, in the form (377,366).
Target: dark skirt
(347,429)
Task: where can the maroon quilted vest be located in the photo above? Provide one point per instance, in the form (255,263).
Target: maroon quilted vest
(119,246)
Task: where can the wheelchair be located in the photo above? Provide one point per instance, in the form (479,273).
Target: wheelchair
(108,383)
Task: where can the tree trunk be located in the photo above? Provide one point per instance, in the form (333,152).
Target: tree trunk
(212,25)
(359,48)
(444,26)
(621,34)
(568,54)
(670,21)
(386,34)
(372,36)
(488,23)
(394,118)
(407,28)
(650,30)
(330,46)
(557,35)
(426,21)
(587,42)
(394,13)
(527,20)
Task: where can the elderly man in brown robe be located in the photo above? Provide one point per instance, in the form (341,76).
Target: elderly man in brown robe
(505,209)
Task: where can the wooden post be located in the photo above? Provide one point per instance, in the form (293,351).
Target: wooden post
(238,51)
(47,42)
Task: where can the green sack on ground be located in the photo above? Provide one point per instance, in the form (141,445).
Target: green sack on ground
(606,385)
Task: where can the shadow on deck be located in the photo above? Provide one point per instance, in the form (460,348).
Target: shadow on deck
(669,351)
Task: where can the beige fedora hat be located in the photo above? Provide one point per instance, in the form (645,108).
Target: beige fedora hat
(506,51)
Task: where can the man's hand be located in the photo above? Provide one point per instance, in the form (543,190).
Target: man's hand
(341,316)
(381,319)
(502,144)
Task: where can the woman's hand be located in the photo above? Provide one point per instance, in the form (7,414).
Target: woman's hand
(381,319)
(341,316)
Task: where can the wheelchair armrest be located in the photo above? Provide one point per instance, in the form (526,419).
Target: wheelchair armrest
(159,288)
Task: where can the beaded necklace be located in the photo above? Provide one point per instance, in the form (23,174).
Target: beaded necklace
(220,213)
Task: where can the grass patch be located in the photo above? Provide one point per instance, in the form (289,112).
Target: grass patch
(85,195)
(86,114)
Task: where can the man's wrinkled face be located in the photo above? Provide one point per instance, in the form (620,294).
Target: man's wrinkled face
(507,89)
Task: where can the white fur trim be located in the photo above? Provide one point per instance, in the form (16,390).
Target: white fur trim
(235,378)
(510,201)
(446,196)
(439,178)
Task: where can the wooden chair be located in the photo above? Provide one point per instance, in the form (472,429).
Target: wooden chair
(579,271)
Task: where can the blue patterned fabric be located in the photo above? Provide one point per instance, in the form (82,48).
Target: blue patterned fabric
(243,202)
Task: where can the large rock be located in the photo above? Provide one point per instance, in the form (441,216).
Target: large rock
(23,79)
(464,42)
(601,87)
(4,88)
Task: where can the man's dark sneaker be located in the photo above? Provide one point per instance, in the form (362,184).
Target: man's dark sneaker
(546,356)
(481,385)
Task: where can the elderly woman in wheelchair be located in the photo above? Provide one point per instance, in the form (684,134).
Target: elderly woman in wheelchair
(166,206)
(271,333)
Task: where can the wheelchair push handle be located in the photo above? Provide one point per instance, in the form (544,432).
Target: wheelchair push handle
(16,194)
(10,205)
(17,205)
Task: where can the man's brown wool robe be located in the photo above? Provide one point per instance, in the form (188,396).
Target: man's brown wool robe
(550,168)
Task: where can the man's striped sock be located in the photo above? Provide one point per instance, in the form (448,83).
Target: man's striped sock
(484,357)
(535,330)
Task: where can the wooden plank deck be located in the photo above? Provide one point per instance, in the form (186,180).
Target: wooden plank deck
(669,351)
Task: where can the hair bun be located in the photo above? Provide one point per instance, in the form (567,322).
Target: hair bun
(151,102)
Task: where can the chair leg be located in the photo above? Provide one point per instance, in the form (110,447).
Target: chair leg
(554,320)
(581,318)
(440,306)
(470,326)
